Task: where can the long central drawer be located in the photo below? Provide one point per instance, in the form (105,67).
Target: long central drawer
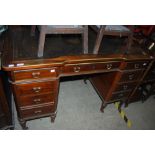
(81,68)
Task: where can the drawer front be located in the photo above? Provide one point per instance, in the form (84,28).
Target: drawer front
(39,111)
(34,74)
(35,88)
(137,65)
(120,95)
(37,100)
(130,76)
(125,86)
(74,69)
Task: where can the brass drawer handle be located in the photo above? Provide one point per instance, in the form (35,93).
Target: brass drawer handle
(36,89)
(144,64)
(77,69)
(37,111)
(37,100)
(35,74)
(131,77)
(109,66)
(137,66)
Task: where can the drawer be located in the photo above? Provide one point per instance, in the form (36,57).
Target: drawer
(35,88)
(130,76)
(36,100)
(90,67)
(120,95)
(34,74)
(137,65)
(77,68)
(34,112)
(125,86)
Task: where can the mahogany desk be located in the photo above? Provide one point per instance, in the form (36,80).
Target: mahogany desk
(35,82)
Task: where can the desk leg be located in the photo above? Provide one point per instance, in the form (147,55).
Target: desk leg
(103,106)
(53,116)
(23,124)
(85,80)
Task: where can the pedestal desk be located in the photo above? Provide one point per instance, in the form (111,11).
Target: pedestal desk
(35,81)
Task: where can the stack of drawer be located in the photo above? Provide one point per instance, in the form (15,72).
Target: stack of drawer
(130,75)
(119,86)
(36,93)
(126,83)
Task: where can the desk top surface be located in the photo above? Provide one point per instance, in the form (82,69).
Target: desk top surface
(21,50)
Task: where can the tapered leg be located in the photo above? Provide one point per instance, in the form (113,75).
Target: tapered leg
(85,80)
(103,107)
(85,39)
(23,124)
(53,116)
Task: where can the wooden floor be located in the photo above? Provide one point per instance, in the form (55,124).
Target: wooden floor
(25,46)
